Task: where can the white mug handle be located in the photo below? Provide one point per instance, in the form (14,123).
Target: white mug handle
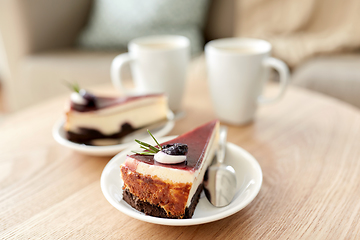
(117,66)
(283,70)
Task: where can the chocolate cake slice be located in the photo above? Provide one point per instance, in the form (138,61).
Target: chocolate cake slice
(90,117)
(171,190)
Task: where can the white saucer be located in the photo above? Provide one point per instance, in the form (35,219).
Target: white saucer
(249,180)
(111,150)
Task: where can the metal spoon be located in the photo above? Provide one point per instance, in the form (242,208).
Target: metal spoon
(220,179)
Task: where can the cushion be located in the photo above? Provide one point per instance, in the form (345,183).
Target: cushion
(298,29)
(334,75)
(113,24)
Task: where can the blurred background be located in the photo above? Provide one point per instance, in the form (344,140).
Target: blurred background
(44,42)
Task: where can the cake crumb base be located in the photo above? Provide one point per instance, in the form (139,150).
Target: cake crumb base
(157,211)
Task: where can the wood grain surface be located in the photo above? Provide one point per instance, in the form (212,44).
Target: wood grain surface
(307,145)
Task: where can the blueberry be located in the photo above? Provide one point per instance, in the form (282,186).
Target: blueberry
(89,97)
(175,149)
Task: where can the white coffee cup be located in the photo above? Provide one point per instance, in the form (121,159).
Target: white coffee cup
(158,65)
(238,69)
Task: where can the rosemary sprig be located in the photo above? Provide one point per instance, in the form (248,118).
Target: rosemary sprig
(151,150)
(73,86)
(147,145)
(144,153)
(155,140)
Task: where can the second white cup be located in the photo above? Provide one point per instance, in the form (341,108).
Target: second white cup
(237,70)
(158,65)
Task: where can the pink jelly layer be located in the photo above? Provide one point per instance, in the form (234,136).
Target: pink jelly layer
(197,141)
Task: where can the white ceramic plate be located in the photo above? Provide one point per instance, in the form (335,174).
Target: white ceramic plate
(249,180)
(111,150)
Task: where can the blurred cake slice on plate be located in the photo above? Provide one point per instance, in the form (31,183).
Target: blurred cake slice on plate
(90,118)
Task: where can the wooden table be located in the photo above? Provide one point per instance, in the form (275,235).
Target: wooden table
(308,146)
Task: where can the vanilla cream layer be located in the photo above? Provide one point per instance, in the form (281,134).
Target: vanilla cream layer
(180,176)
(138,113)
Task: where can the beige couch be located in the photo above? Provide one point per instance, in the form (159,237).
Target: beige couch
(39,41)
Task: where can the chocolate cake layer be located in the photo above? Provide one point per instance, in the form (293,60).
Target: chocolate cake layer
(156,210)
(86,135)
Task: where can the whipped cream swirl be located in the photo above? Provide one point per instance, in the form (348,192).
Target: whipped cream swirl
(78,99)
(164,158)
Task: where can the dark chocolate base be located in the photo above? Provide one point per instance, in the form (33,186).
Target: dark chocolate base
(157,211)
(86,135)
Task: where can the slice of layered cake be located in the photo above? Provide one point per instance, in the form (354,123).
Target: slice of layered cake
(90,117)
(166,180)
